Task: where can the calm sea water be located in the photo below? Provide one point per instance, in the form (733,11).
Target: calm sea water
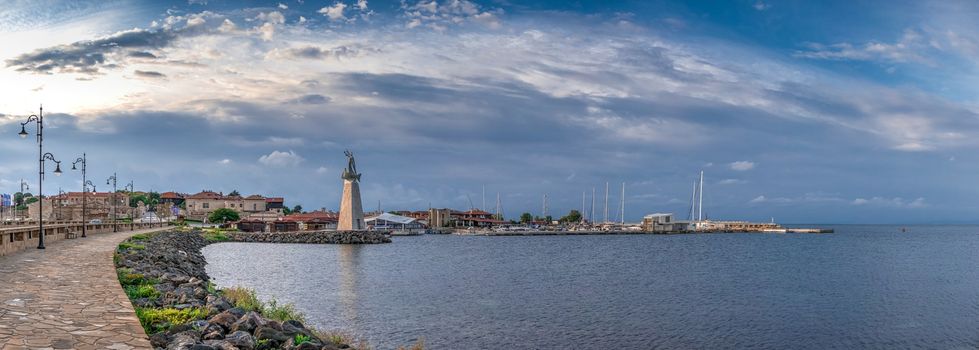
(861,287)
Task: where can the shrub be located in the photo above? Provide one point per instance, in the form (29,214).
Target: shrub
(139,237)
(130,245)
(283,312)
(243,298)
(216,236)
(158,320)
(141,291)
(300,338)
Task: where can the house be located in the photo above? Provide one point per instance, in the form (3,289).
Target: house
(314,220)
(392,222)
(476,218)
(662,222)
(274,203)
(203,203)
(174,198)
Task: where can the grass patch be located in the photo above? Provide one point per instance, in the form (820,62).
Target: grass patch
(283,312)
(243,298)
(141,291)
(159,320)
(130,245)
(419,345)
(139,237)
(216,236)
(301,338)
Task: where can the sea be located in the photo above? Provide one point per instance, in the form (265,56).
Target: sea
(861,287)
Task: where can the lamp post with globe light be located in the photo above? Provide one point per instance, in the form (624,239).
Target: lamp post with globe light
(42,157)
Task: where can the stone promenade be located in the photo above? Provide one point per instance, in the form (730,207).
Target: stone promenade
(67,297)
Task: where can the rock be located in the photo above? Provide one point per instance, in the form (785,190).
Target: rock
(221,344)
(241,340)
(248,323)
(202,347)
(216,304)
(224,319)
(292,327)
(184,340)
(159,340)
(270,334)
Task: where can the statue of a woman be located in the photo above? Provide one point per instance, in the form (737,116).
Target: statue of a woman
(350,173)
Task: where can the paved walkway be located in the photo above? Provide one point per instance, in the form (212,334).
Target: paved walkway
(67,297)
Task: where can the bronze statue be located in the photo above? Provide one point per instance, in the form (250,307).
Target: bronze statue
(350,173)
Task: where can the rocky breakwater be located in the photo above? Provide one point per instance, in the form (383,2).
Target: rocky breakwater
(315,237)
(164,276)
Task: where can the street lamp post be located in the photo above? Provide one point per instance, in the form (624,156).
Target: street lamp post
(83,160)
(23,186)
(112,180)
(61,204)
(39,118)
(132,216)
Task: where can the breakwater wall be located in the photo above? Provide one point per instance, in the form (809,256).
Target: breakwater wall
(311,237)
(164,275)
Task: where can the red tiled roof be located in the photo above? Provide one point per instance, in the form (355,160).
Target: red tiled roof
(205,195)
(274,200)
(313,215)
(171,195)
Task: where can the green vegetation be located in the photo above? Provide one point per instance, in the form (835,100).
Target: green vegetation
(159,320)
(573,216)
(300,338)
(141,291)
(139,237)
(526,217)
(243,298)
(223,215)
(282,312)
(130,245)
(234,193)
(216,236)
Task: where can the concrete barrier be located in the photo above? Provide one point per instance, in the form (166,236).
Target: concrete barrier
(14,239)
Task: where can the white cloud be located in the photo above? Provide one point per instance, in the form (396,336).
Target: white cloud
(761,6)
(742,165)
(225,161)
(896,202)
(322,170)
(283,6)
(335,12)
(731,182)
(274,17)
(279,158)
(227,26)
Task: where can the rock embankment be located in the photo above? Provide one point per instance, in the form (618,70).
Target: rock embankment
(194,315)
(315,237)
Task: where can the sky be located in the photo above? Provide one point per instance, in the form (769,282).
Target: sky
(797,111)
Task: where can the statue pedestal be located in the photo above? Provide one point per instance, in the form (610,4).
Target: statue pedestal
(351,210)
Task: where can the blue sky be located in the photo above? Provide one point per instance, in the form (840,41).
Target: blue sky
(827,112)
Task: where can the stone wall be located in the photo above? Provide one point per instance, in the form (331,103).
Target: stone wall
(313,237)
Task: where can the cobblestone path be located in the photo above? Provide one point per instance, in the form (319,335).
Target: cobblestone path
(67,297)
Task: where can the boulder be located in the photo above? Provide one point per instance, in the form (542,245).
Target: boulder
(241,340)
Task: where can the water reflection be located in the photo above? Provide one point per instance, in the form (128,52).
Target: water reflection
(349,256)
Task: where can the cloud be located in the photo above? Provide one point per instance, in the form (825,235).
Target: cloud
(439,16)
(322,170)
(283,6)
(761,6)
(91,56)
(334,12)
(911,47)
(896,202)
(312,99)
(316,52)
(224,161)
(731,182)
(742,165)
(149,74)
(279,158)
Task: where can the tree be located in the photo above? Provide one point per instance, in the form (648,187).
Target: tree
(136,197)
(223,215)
(298,209)
(548,219)
(526,217)
(234,193)
(286,210)
(19,197)
(573,216)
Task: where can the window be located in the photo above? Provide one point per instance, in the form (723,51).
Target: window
(206,205)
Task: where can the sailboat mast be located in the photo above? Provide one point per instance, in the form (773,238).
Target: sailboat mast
(582,206)
(700,212)
(591,217)
(693,202)
(606,204)
(622,210)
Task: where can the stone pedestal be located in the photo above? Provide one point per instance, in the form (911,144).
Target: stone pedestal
(351,210)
